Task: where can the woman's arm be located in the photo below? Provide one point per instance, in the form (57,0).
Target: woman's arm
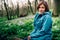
(47,24)
(36,15)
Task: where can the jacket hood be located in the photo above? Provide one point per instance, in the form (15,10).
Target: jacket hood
(48,13)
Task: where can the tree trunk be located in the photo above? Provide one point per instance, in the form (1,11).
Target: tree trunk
(30,6)
(17,9)
(6,10)
(56,11)
(35,6)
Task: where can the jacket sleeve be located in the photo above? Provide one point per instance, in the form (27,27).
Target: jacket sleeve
(47,24)
(34,24)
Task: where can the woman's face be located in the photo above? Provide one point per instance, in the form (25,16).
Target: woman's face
(42,8)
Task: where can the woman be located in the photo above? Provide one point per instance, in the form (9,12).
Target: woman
(42,23)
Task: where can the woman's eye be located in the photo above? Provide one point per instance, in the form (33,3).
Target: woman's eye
(41,7)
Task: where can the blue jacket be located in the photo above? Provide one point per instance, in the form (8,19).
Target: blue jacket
(42,27)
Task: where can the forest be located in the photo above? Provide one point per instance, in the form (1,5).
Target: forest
(17,16)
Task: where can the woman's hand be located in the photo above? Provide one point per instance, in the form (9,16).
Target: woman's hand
(29,37)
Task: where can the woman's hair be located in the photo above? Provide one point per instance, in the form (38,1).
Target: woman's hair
(45,4)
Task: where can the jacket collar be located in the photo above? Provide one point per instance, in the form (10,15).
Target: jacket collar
(45,13)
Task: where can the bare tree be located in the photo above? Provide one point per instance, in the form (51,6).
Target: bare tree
(56,10)
(30,6)
(35,6)
(5,5)
(17,11)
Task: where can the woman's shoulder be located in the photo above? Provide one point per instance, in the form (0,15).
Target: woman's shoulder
(47,14)
(48,17)
(36,14)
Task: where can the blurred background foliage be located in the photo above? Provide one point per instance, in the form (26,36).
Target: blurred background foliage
(16,18)
(22,27)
